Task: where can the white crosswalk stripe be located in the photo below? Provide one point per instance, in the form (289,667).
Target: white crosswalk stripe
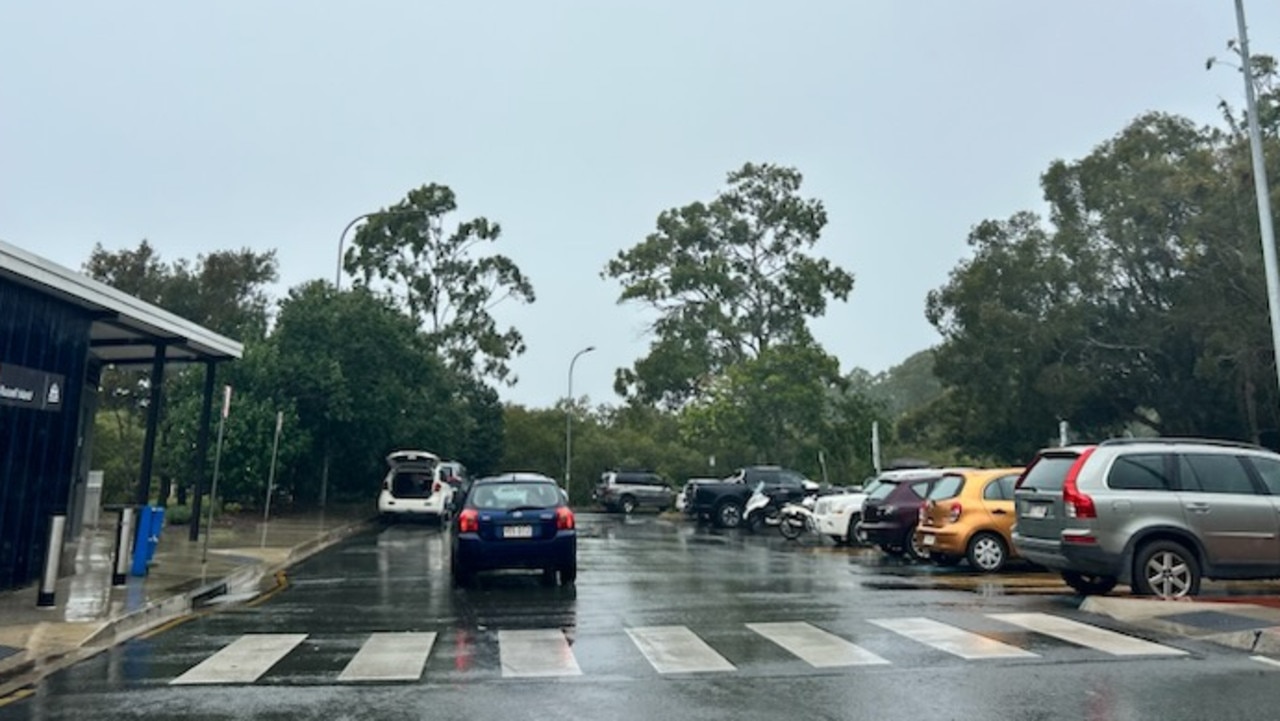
(676,649)
(815,646)
(243,660)
(390,657)
(1107,641)
(965,644)
(536,653)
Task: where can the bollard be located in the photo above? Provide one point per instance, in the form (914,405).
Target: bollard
(48,584)
(124,534)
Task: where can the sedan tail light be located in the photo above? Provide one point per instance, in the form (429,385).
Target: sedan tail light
(469,521)
(564,519)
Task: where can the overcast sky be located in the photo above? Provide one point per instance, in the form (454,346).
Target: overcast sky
(219,125)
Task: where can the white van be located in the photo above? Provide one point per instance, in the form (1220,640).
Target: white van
(415,488)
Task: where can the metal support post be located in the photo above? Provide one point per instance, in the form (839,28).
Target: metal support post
(124,534)
(53,557)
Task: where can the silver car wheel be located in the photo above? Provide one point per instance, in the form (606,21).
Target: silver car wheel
(1168,575)
(988,553)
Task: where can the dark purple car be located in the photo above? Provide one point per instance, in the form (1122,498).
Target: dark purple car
(892,509)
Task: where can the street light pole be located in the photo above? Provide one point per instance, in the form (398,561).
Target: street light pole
(1260,188)
(568,421)
(337,276)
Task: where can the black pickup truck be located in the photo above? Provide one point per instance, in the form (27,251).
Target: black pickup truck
(721,502)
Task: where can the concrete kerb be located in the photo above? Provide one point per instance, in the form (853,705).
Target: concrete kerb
(24,669)
(1155,615)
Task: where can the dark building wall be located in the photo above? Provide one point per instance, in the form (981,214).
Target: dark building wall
(37,447)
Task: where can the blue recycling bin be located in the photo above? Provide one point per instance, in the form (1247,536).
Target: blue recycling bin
(150,522)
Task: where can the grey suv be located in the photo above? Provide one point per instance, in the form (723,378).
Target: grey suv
(1157,514)
(627,491)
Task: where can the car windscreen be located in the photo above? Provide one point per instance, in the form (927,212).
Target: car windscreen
(514,495)
(946,487)
(881,490)
(1048,473)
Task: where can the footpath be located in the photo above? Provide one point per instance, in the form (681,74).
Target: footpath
(241,559)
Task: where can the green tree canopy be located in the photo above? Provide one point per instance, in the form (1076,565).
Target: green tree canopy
(728,279)
(443,280)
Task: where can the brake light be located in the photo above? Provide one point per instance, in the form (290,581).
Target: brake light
(435,487)
(924,511)
(956,510)
(469,521)
(1075,503)
(564,519)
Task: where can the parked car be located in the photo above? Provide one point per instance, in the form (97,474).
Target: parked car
(892,509)
(413,488)
(722,501)
(628,491)
(515,521)
(839,514)
(685,497)
(455,474)
(969,515)
(1158,514)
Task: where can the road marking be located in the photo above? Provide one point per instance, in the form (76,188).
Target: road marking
(536,654)
(1082,634)
(951,639)
(815,646)
(243,660)
(675,649)
(390,657)
(1268,661)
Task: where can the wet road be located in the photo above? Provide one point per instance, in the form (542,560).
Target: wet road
(666,621)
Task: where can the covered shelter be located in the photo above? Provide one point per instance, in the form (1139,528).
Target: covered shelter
(58,330)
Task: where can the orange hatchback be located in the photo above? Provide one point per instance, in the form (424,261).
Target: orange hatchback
(969,514)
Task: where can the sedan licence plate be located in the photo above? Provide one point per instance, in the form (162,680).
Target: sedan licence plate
(517,531)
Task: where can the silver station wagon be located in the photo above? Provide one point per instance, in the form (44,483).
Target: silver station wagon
(1157,514)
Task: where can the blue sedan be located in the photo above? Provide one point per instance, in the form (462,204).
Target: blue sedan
(515,521)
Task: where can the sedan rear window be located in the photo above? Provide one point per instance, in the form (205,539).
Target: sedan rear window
(510,496)
(1048,473)
(946,487)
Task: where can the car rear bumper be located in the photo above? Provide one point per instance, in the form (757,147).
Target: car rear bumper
(888,533)
(942,540)
(477,554)
(433,506)
(1059,556)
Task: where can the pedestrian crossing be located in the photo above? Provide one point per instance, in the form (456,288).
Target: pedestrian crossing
(675,650)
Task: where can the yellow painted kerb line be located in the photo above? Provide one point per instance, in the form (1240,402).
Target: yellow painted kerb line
(282,582)
(16,696)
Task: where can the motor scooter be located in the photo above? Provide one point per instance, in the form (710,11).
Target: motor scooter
(760,510)
(797,518)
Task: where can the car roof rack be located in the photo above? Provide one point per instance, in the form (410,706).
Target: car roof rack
(1175,440)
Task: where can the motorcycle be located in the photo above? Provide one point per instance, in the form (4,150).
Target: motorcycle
(797,518)
(760,510)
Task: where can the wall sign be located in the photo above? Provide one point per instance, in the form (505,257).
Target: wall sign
(30,388)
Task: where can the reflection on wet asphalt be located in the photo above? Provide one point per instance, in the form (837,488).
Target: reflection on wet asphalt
(668,620)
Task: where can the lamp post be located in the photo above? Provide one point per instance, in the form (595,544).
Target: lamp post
(337,276)
(568,421)
(1260,186)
